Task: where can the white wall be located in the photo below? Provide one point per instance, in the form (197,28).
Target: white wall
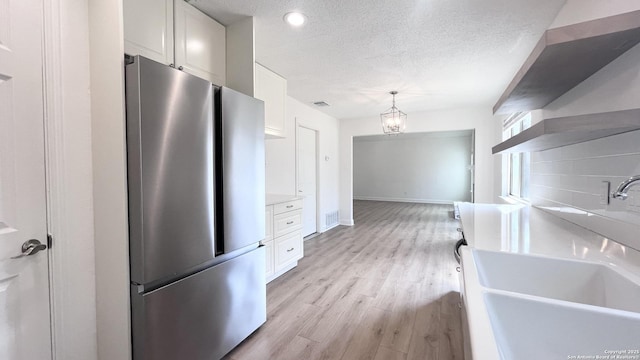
(568,180)
(575,11)
(281,157)
(479,119)
(426,168)
(109,180)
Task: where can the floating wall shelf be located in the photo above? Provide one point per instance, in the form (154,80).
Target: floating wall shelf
(557,132)
(566,56)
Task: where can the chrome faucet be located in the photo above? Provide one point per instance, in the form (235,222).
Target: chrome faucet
(621,192)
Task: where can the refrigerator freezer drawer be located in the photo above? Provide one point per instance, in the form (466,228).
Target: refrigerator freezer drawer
(203,316)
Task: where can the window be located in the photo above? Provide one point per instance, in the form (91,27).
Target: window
(516,166)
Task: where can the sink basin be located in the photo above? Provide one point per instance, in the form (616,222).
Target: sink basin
(533,328)
(562,279)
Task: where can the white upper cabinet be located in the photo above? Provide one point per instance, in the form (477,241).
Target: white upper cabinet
(176,33)
(272,89)
(148,29)
(200,43)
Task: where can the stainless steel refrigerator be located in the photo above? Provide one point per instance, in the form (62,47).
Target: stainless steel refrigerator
(195,154)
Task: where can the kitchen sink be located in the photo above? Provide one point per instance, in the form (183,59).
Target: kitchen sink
(562,279)
(527,327)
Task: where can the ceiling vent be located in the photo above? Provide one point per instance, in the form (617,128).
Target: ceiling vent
(320,103)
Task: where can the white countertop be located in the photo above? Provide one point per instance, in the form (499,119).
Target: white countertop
(527,230)
(272,199)
(524,230)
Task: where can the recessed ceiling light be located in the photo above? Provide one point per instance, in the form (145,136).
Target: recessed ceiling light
(294,18)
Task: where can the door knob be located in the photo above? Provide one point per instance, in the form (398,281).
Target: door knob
(31,247)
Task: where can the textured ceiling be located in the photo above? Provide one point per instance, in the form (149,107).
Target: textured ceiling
(437,54)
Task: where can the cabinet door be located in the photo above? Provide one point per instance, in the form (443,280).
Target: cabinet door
(272,89)
(268,223)
(200,44)
(270,258)
(148,29)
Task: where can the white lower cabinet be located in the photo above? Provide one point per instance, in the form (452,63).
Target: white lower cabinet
(268,241)
(270,265)
(283,241)
(268,223)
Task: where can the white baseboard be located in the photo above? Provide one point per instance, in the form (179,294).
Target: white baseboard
(346,222)
(407,200)
(331,227)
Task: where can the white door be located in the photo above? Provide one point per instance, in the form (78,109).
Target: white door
(24,282)
(307,178)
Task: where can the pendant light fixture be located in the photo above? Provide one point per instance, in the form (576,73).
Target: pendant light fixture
(393,120)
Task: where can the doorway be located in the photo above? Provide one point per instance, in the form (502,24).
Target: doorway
(306,177)
(431,167)
(25,318)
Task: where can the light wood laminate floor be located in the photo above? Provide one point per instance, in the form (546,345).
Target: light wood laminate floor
(384,289)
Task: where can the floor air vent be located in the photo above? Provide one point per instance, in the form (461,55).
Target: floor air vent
(331,219)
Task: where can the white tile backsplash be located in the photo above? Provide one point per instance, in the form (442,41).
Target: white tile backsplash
(571,177)
(568,180)
(634,200)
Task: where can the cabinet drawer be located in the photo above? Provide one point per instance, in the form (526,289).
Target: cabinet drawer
(287,222)
(288,206)
(288,248)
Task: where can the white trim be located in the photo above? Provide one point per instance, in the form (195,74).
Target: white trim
(405,200)
(69,202)
(346,222)
(53,163)
(513,200)
(513,118)
(472,168)
(110,206)
(331,227)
